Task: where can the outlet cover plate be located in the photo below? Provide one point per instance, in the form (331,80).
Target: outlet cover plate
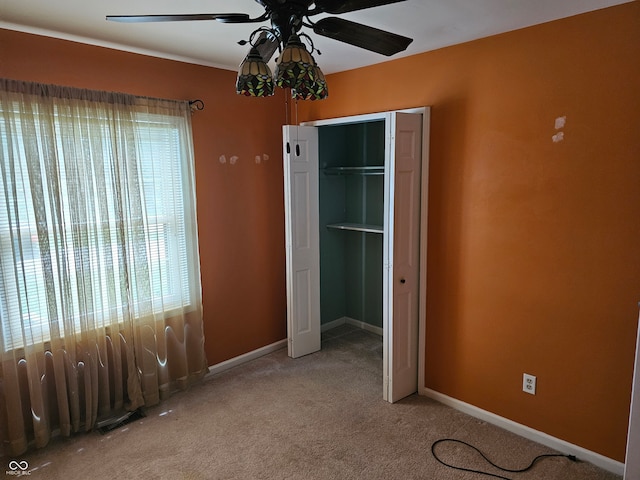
(529,383)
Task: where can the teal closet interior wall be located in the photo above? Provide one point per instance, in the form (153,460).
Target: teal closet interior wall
(351,262)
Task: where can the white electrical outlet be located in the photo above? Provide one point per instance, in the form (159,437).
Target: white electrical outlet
(529,383)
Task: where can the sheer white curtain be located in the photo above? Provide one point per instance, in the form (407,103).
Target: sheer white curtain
(100,297)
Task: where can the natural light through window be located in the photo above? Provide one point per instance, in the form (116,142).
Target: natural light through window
(84,251)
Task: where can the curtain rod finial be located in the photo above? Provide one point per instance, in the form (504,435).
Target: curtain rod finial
(196,105)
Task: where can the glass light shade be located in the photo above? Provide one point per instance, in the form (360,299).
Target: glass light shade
(295,65)
(254,76)
(315,89)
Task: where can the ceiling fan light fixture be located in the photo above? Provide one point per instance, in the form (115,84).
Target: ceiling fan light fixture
(315,89)
(295,65)
(254,76)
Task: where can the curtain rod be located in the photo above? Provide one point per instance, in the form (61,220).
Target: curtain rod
(23,86)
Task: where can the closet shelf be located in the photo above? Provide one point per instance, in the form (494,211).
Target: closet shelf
(356,227)
(368,170)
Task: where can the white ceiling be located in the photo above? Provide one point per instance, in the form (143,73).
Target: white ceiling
(432,24)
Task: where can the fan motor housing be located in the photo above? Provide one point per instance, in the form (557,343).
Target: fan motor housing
(286,15)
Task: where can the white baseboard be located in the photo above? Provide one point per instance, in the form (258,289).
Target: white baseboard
(247,357)
(351,321)
(562,446)
(334,324)
(365,326)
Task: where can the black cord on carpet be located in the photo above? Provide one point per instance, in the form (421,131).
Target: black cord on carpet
(520,470)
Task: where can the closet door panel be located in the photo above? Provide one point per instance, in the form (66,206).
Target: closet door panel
(302,239)
(405,274)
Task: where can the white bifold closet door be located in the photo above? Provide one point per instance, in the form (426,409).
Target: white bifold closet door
(302,239)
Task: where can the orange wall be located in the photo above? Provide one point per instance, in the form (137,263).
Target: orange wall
(240,207)
(534,258)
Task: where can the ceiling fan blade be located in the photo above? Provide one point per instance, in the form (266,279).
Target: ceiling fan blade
(221,17)
(343,6)
(369,38)
(266,44)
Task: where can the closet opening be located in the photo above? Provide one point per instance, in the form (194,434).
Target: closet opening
(351,219)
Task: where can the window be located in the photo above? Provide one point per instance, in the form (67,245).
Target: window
(97,217)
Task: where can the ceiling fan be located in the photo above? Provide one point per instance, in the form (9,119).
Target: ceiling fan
(287,17)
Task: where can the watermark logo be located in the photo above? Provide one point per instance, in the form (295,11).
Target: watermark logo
(18,468)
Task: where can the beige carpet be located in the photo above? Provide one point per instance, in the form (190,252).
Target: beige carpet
(317,417)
